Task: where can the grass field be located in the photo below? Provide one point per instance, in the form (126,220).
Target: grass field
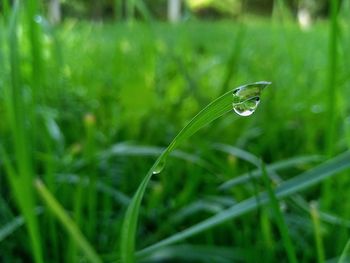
(86,110)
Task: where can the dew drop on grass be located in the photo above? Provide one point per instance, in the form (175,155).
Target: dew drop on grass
(247,107)
(159,167)
(247,98)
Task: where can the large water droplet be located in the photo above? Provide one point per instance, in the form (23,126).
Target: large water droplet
(247,107)
(247,98)
(159,167)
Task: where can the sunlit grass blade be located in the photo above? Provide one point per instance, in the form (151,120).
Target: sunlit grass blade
(214,110)
(281,223)
(289,187)
(67,222)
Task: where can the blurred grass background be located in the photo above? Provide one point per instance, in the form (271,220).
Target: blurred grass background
(89,103)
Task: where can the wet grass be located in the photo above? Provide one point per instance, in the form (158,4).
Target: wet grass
(88,108)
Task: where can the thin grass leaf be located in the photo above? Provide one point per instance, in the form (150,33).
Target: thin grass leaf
(289,187)
(242,154)
(11,227)
(332,85)
(288,163)
(214,110)
(17,222)
(197,253)
(127,149)
(325,217)
(272,168)
(118,196)
(67,222)
(281,223)
(317,232)
(345,255)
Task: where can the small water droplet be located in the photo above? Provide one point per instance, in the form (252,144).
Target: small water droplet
(247,98)
(160,166)
(38,19)
(317,108)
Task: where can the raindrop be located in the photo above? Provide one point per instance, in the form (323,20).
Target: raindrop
(159,167)
(247,98)
(247,107)
(38,19)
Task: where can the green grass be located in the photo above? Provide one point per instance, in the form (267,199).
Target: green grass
(88,109)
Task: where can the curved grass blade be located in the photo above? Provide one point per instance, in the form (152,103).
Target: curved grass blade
(214,110)
(287,188)
(67,222)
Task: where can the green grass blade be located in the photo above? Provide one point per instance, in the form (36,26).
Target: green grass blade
(20,175)
(214,110)
(317,232)
(287,188)
(345,255)
(291,162)
(67,222)
(283,228)
(197,253)
(11,227)
(17,222)
(332,76)
(127,149)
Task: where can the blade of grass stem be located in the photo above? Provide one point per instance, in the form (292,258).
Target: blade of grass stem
(67,222)
(317,232)
(345,255)
(332,75)
(281,223)
(21,174)
(214,110)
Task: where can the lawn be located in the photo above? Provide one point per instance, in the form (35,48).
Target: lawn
(87,108)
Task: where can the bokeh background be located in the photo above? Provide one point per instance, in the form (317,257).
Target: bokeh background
(91,93)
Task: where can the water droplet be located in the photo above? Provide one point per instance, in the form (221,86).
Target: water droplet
(160,166)
(38,19)
(247,107)
(317,108)
(247,98)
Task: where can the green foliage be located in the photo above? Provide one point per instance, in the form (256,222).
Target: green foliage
(87,108)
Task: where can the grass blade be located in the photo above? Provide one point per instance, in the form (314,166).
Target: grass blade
(292,162)
(197,253)
(317,232)
(67,222)
(214,110)
(281,223)
(345,255)
(15,223)
(289,187)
